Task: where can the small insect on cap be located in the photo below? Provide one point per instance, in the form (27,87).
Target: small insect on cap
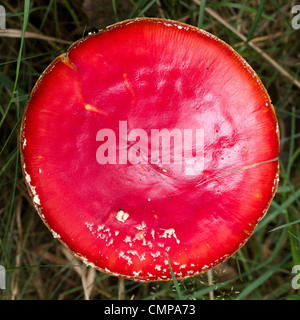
(150,139)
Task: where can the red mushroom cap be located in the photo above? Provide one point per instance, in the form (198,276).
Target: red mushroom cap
(93,139)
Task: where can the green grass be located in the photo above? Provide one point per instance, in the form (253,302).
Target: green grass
(175,281)
(37,267)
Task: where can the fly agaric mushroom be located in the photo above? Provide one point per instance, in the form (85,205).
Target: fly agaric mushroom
(150,139)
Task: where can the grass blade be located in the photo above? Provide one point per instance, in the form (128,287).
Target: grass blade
(201,14)
(285,225)
(263,278)
(25,22)
(174,280)
(256,20)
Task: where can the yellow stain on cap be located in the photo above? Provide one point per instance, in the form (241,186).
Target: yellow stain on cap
(67,61)
(88,107)
(128,86)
